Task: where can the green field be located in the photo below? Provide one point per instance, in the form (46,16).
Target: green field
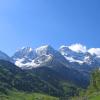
(95,96)
(26,96)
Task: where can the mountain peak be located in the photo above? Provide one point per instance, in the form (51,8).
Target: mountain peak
(25,52)
(29,49)
(94,51)
(78,48)
(43,47)
(43,50)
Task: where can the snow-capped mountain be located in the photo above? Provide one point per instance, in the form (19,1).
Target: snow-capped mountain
(80,54)
(73,63)
(48,57)
(31,58)
(25,53)
(69,56)
(4,56)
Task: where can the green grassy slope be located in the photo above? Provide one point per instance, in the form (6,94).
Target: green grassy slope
(12,77)
(56,80)
(26,96)
(94,96)
(46,81)
(93,91)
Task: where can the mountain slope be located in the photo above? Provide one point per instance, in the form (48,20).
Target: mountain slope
(81,58)
(93,90)
(4,56)
(56,80)
(40,80)
(53,59)
(12,77)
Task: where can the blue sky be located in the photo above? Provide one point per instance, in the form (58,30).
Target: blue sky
(55,22)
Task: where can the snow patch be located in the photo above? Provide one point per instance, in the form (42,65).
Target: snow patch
(78,48)
(95,51)
(74,60)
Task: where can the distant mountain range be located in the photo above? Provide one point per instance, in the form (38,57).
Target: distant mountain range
(70,64)
(28,58)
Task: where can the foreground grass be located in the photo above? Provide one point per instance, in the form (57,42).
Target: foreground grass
(94,96)
(26,96)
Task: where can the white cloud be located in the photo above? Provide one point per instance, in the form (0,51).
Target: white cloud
(95,51)
(78,47)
